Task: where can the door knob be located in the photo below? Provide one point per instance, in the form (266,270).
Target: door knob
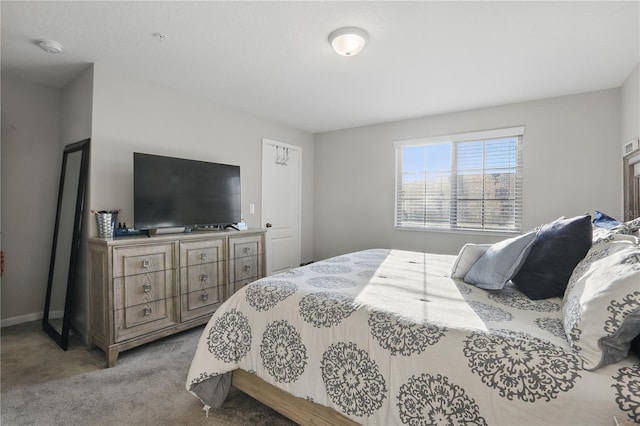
(268,225)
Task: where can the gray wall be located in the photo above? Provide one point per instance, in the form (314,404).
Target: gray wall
(121,114)
(349,195)
(630,117)
(77,107)
(572,165)
(131,114)
(31,161)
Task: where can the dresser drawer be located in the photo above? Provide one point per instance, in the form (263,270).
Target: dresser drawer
(245,263)
(235,286)
(136,260)
(245,246)
(141,319)
(245,270)
(201,302)
(194,278)
(143,288)
(201,252)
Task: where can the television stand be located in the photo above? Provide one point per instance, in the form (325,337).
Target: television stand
(161,231)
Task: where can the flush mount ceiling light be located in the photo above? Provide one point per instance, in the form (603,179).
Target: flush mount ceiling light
(348,41)
(50,46)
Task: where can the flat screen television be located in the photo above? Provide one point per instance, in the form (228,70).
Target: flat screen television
(174,192)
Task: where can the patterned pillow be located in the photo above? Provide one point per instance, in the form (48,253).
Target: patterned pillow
(629,228)
(469,254)
(601,306)
(500,262)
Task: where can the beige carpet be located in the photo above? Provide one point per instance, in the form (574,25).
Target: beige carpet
(43,385)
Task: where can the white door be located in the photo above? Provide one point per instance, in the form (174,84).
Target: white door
(281,186)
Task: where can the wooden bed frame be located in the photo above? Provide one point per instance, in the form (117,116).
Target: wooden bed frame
(299,410)
(305,412)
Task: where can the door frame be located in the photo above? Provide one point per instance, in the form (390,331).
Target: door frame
(265,142)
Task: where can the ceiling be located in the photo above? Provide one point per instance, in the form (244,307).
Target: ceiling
(272,59)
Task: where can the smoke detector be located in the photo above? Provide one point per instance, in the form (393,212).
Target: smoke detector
(50,46)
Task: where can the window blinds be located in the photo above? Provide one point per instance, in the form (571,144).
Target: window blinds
(470,181)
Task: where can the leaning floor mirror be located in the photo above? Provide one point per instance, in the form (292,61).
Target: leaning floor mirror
(66,242)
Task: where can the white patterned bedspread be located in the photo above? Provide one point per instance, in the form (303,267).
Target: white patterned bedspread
(386,337)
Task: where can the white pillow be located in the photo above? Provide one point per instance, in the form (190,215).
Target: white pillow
(601,306)
(501,262)
(469,254)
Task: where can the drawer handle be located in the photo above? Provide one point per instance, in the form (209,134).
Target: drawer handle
(203,256)
(205,296)
(245,250)
(247,268)
(146,288)
(147,311)
(204,278)
(146,263)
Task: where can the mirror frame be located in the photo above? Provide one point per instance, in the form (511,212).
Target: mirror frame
(62,338)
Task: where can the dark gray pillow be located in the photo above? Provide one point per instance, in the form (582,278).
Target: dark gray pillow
(500,262)
(556,251)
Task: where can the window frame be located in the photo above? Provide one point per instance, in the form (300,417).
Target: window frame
(453,139)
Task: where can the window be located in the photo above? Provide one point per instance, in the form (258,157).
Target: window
(469,182)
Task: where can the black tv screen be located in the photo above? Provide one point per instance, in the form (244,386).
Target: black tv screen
(175,192)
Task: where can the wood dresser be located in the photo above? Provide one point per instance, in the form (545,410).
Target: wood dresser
(145,288)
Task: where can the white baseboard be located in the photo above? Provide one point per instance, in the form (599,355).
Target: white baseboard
(7,322)
(35,316)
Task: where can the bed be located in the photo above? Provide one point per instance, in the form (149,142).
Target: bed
(384,336)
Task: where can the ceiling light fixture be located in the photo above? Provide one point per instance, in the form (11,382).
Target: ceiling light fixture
(50,46)
(348,41)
